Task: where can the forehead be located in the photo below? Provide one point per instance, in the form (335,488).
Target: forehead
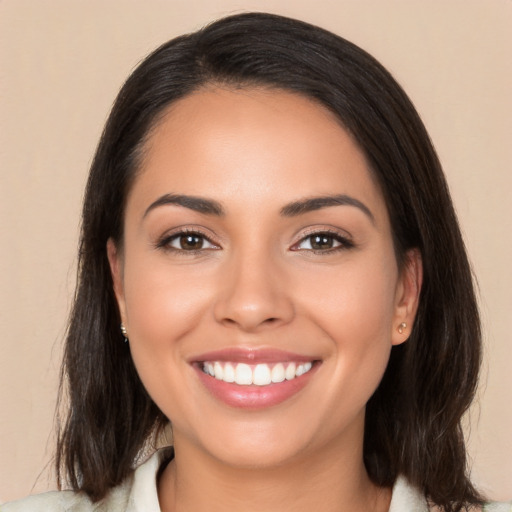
(253,145)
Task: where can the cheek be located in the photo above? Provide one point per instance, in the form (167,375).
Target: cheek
(355,301)
(163,302)
(354,307)
(162,307)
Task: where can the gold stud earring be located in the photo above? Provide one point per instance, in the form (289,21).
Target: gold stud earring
(401,327)
(124,332)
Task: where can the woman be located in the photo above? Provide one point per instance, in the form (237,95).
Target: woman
(268,223)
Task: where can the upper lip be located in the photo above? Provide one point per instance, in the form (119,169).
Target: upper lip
(251,356)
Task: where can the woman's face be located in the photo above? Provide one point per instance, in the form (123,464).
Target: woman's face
(257,247)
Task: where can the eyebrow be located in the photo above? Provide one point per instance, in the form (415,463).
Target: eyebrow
(198,204)
(311,204)
(212,207)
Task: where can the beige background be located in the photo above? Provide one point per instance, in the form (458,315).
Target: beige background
(61,64)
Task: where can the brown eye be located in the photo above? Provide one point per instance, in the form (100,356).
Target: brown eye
(191,242)
(321,242)
(187,242)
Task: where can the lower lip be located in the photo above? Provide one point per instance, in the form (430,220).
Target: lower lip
(254,397)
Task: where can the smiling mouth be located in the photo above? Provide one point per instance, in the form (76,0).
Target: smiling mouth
(261,374)
(254,379)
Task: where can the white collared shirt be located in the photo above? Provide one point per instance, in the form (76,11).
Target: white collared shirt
(138,493)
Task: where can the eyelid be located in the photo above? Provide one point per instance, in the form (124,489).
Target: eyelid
(163,241)
(344,239)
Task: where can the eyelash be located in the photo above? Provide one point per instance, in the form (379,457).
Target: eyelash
(344,242)
(165,242)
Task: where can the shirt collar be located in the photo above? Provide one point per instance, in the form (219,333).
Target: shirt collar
(144,494)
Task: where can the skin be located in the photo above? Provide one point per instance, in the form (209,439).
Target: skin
(256,283)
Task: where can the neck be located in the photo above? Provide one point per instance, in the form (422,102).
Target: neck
(329,481)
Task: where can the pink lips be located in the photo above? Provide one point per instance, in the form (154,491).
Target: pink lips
(252,396)
(251,356)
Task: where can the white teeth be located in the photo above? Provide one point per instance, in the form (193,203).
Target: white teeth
(243,374)
(260,375)
(218,370)
(278,374)
(229,373)
(290,371)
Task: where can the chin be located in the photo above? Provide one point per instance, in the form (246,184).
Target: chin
(263,444)
(249,455)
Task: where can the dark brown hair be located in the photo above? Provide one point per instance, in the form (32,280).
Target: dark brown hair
(413,421)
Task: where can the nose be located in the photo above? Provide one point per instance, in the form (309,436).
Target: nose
(253,294)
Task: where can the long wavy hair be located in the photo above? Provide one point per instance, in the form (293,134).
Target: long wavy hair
(413,420)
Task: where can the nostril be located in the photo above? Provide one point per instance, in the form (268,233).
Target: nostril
(233,322)
(249,311)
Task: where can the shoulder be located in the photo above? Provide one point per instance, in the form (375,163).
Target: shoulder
(58,501)
(498,507)
(69,501)
(138,493)
(407,498)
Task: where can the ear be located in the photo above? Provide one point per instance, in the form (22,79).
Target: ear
(115,259)
(407,297)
